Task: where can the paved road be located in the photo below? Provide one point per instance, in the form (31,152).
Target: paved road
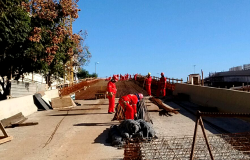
(81,135)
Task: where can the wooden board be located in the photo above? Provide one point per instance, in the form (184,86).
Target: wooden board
(17,118)
(5,139)
(61,102)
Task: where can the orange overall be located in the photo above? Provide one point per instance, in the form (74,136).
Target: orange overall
(148,85)
(129,103)
(161,87)
(111,88)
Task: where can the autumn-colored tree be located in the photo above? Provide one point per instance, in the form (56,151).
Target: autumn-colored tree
(52,39)
(37,37)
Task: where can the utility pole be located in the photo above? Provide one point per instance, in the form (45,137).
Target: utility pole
(194,69)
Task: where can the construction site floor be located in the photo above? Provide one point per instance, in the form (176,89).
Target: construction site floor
(81,133)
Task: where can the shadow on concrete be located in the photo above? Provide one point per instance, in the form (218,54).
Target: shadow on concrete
(78,109)
(95,104)
(102,138)
(94,124)
(215,125)
(75,114)
(154,110)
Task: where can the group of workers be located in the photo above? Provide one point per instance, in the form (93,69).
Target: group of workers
(129,102)
(161,90)
(123,77)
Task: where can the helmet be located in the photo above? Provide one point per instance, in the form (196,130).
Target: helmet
(115,78)
(149,73)
(162,74)
(140,95)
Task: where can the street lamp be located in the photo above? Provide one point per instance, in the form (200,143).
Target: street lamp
(95,66)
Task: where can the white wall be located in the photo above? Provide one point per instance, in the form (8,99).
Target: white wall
(24,104)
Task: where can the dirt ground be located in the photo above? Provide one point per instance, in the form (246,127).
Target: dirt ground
(81,133)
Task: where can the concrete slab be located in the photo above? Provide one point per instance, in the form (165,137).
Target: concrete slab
(81,133)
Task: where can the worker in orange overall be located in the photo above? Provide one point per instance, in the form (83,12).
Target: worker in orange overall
(135,76)
(111,89)
(148,82)
(162,86)
(129,103)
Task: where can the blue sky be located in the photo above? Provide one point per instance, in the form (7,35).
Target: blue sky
(170,36)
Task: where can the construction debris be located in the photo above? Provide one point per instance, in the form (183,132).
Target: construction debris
(159,103)
(62,102)
(5,137)
(224,146)
(100,94)
(15,119)
(130,129)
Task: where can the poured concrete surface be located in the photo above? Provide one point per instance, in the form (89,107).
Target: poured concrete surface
(81,133)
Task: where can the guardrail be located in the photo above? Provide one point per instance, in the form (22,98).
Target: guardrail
(71,88)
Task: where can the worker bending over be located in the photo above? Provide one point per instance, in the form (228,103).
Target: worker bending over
(162,86)
(129,103)
(148,81)
(111,89)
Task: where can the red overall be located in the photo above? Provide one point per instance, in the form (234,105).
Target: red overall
(148,85)
(128,103)
(135,76)
(161,87)
(111,88)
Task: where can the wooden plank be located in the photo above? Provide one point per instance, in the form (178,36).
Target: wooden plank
(13,119)
(61,102)
(3,130)
(5,139)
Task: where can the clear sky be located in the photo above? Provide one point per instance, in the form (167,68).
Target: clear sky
(170,36)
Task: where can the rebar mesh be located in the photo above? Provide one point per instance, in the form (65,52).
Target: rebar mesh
(223,146)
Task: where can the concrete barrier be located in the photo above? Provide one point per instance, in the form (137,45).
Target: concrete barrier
(24,104)
(225,100)
(52,93)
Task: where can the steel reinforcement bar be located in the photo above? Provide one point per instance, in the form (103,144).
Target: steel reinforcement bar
(75,87)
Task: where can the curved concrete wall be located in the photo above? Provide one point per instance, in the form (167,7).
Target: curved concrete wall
(226,100)
(24,104)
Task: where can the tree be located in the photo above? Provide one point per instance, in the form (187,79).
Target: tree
(82,73)
(35,35)
(14,30)
(55,46)
(94,75)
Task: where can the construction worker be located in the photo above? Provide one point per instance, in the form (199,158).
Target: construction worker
(135,76)
(129,103)
(111,89)
(162,86)
(148,81)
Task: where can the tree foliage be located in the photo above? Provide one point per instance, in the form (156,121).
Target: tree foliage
(35,35)
(85,74)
